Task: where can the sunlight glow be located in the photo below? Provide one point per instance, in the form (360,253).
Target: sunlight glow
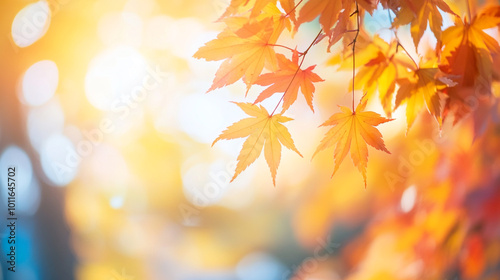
(112,75)
(59,160)
(40,82)
(408,199)
(44,121)
(120,28)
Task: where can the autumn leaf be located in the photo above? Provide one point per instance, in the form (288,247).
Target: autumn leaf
(244,57)
(421,13)
(326,10)
(467,53)
(421,89)
(472,34)
(332,13)
(256,7)
(365,48)
(352,131)
(288,79)
(262,130)
(340,28)
(380,66)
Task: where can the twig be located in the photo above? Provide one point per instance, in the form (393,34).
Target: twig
(294,8)
(354,53)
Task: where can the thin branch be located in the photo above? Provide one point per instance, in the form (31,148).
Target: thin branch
(296,71)
(354,53)
(294,8)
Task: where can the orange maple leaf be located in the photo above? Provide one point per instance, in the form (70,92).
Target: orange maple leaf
(352,131)
(326,10)
(262,130)
(288,79)
(332,12)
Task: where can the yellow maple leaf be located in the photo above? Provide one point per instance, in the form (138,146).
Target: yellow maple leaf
(256,7)
(246,47)
(380,66)
(421,89)
(263,131)
(421,13)
(352,131)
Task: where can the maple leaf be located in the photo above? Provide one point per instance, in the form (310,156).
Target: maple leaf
(472,33)
(340,28)
(331,12)
(246,48)
(256,7)
(326,10)
(421,89)
(365,47)
(352,131)
(467,53)
(380,67)
(262,130)
(288,79)
(421,13)
(381,73)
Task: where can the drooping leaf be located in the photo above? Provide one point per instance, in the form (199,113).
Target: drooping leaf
(380,66)
(351,132)
(421,89)
(263,131)
(326,10)
(467,54)
(420,14)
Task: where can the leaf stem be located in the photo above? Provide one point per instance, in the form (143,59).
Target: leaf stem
(282,46)
(467,2)
(407,53)
(354,53)
(296,71)
(399,42)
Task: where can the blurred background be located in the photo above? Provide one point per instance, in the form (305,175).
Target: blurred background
(104,112)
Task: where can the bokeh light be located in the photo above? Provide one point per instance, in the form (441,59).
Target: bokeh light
(107,117)
(40,82)
(31,23)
